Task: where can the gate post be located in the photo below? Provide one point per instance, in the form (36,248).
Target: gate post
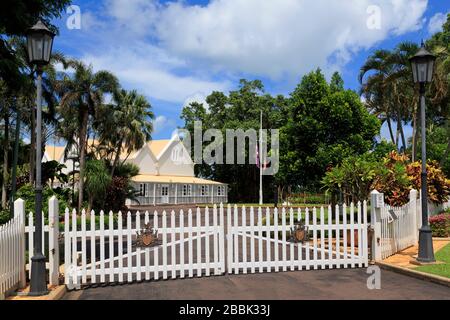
(413,211)
(19,215)
(376,202)
(53,236)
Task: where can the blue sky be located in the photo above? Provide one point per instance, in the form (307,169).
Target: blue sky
(175,52)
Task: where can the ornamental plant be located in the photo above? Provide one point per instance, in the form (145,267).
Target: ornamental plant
(440,225)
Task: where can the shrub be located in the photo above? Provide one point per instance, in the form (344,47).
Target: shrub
(440,225)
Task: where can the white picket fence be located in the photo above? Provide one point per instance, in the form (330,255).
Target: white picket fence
(334,244)
(12,252)
(397,228)
(17,238)
(108,254)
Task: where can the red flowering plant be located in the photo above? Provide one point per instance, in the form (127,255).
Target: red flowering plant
(440,225)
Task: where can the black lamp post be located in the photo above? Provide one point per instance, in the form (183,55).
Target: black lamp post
(39,46)
(422,64)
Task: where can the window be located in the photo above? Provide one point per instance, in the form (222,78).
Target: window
(204,190)
(187,190)
(221,190)
(143,192)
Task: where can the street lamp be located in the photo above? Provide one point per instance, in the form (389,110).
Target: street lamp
(422,64)
(39,46)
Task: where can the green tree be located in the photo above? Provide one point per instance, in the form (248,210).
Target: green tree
(125,125)
(82,95)
(97,181)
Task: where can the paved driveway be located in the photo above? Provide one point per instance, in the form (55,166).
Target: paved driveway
(320,284)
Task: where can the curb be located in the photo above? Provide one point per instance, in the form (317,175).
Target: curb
(416,274)
(55,294)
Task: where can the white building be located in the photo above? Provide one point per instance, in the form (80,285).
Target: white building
(166,175)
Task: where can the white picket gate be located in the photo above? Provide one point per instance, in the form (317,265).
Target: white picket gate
(396,228)
(12,251)
(108,254)
(261,246)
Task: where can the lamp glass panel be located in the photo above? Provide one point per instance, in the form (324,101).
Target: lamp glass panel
(47,47)
(422,71)
(38,53)
(430,70)
(414,70)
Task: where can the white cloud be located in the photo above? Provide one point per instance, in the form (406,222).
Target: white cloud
(147,69)
(199,97)
(275,38)
(173,50)
(161,123)
(436,22)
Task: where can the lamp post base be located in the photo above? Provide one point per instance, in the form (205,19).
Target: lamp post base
(426,253)
(38,285)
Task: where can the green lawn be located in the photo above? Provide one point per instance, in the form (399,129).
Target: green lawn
(443,270)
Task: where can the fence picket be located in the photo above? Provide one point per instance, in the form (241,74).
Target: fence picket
(338,236)
(322,238)
(275,219)
(230,236)
(207,242)
(83,247)
(102,246)
(182,263)
(74,248)
(360,251)
(156,249)
(120,246)
(164,244)
(67,262)
(199,244)
(173,261)
(236,242)
(138,249)
(222,240)
(216,246)
(291,245)
(330,239)
(308,261)
(93,255)
(252,240)
(190,248)
(344,235)
(260,240)
(147,250)
(299,244)
(244,240)
(268,237)
(315,247)
(352,234)
(111,247)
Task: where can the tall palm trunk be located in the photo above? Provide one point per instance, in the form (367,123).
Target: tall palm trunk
(388,120)
(82,142)
(117,157)
(5,159)
(402,134)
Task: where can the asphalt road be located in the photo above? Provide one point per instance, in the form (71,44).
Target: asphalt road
(345,284)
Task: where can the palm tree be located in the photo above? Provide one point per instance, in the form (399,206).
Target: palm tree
(97,180)
(128,127)
(82,94)
(374,88)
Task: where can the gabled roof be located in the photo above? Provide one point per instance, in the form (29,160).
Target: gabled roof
(157,146)
(54,152)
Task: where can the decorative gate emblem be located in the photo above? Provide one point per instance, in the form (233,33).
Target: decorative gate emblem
(299,233)
(147,237)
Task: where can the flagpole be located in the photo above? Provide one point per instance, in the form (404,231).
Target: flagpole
(260,162)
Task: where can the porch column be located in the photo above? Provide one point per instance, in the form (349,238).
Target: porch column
(212,194)
(154,194)
(176,192)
